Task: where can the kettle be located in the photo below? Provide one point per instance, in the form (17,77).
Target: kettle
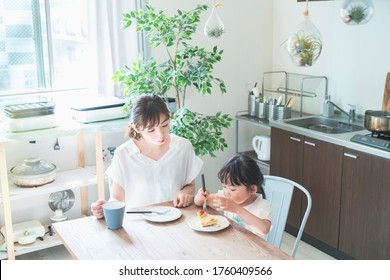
(262,146)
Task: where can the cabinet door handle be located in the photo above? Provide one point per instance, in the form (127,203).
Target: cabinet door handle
(350,155)
(295,139)
(310,143)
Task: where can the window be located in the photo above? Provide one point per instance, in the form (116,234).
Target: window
(43,45)
(57,45)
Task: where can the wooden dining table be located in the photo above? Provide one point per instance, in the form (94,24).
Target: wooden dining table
(88,238)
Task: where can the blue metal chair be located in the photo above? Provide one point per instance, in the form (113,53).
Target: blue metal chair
(279,193)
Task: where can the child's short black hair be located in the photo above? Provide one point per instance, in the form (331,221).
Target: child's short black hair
(242,170)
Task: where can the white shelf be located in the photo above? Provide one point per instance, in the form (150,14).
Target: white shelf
(47,242)
(66,128)
(70,179)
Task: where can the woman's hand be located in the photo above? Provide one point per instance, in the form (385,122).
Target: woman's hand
(97,208)
(182,199)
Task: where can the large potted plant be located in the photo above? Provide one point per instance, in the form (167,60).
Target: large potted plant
(186,66)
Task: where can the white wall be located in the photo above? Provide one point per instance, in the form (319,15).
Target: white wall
(355,58)
(247,46)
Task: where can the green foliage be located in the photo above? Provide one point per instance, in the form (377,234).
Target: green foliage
(204,132)
(305,48)
(357,13)
(186,66)
(215,32)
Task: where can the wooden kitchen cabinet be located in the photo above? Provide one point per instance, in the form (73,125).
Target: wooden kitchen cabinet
(287,162)
(365,206)
(322,163)
(350,192)
(317,166)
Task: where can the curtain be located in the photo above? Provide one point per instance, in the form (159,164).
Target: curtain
(114,47)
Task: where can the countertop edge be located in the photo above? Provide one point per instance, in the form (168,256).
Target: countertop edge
(342,139)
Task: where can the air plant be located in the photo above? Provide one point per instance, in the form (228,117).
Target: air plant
(215,32)
(358,13)
(304,49)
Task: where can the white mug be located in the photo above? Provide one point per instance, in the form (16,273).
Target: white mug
(262,147)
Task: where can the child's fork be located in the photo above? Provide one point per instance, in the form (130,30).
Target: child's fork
(204,190)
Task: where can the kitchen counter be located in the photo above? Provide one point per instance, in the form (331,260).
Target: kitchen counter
(342,139)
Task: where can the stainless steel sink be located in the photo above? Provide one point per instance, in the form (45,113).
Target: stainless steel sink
(325,125)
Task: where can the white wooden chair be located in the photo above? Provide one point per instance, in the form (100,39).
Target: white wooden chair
(278,192)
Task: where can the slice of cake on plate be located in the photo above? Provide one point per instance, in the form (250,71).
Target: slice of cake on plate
(205,219)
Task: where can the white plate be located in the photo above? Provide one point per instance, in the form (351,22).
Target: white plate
(169,214)
(222,223)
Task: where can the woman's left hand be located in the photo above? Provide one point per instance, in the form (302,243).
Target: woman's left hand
(182,199)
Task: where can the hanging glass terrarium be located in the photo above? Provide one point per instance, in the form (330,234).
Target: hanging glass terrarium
(214,27)
(305,44)
(356,11)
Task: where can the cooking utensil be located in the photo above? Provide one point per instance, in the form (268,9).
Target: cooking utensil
(280,99)
(291,101)
(204,190)
(57,145)
(377,121)
(386,94)
(33,172)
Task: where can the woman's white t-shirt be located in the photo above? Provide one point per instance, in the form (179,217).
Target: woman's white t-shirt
(147,181)
(260,208)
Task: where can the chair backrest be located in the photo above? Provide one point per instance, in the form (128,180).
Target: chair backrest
(278,192)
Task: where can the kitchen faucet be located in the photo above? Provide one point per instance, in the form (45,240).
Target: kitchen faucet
(352,109)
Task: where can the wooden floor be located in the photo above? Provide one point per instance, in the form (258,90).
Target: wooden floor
(304,252)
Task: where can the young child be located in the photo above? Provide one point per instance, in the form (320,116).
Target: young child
(242,198)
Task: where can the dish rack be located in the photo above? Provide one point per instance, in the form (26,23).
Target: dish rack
(293,84)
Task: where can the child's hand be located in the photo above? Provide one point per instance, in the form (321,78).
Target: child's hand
(223,204)
(201,196)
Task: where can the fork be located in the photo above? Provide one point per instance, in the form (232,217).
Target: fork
(204,190)
(149,212)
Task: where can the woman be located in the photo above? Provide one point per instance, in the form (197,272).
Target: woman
(152,166)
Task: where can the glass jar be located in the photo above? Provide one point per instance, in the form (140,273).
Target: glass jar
(356,11)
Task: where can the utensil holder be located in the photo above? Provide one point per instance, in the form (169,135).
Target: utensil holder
(283,112)
(270,113)
(278,112)
(261,109)
(251,105)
